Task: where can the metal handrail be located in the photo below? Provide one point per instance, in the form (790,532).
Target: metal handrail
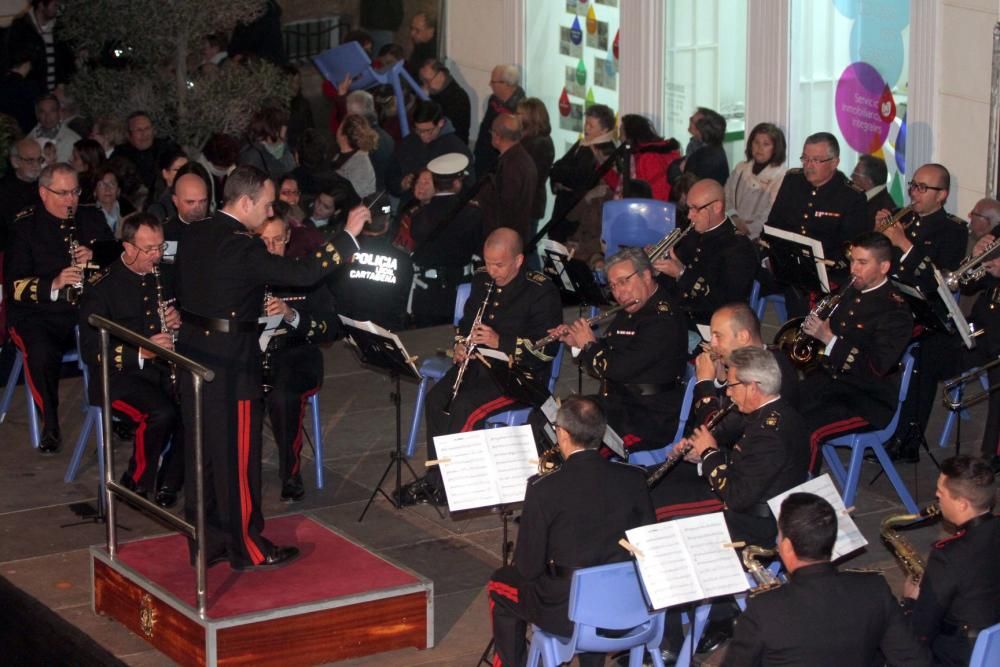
(199,375)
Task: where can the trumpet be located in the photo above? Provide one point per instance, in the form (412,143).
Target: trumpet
(800,347)
(964,402)
(893,219)
(470,347)
(591,321)
(667,243)
(973,267)
(672,461)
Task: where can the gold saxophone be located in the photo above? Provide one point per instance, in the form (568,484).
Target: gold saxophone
(908,558)
(752,554)
(549,460)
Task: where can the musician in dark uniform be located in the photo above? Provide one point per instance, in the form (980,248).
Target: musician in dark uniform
(985,316)
(769,455)
(521,308)
(37,271)
(293,364)
(818,201)
(191,201)
(932,239)
(129,293)
(821,617)
(959,594)
(857,385)
(870,175)
(446,239)
(713,265)
(572,518)
(376,286)
(221,272)
(641,358)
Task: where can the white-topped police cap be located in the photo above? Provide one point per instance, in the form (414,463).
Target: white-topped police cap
(449,164)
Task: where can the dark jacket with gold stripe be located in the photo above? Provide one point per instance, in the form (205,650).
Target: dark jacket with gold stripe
(939,240)
(641,361)
(769,457)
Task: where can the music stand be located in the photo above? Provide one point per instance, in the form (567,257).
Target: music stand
(797,260)
(381,350)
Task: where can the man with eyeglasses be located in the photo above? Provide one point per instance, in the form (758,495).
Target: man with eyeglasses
(507,93)
(820,202)
(870,174)
(642,357)
(294,364)
(429,138)
(712,265)
(442,88)
(983,217)
(19,186)
(38,267)
(50,130)
(141,391)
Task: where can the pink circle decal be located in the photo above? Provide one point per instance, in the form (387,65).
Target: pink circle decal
(864,107)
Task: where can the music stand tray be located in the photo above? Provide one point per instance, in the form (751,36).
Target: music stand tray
(797,260)
(573,277)
(955,317)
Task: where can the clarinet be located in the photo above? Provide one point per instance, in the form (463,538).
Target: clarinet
(161,308)
(668,465)
(470,347)
(591,321)
(72,292)
(265,360)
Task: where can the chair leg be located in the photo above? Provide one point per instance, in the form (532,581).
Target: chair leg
(8,390)
(895,479)
(80,447)
(33,428)
(418,413)
(853,471)
(695,629)
(317,439)
(837,470)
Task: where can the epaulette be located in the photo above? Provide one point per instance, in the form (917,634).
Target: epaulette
(663,307)
(854,186)
(98,277)
(794,170)
(772,420)
(957,220)
(244,232)
(537,277)
(25,212)
(941,544)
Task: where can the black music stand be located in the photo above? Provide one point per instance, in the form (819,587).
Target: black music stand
(796,260)
(381,350)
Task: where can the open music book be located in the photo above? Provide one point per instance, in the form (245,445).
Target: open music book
(793,252)
(486,467)
(687,560)
(849,538)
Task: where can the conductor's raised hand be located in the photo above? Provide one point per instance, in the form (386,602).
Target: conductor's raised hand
(356,220)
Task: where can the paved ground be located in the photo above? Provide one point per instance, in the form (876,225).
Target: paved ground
(43,548)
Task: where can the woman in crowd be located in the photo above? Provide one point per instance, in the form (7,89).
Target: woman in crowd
(88,157)
(537,140)
(707,158)
(266,148)
(651,155)
(107,196)
(754,183)
(163,202)
(356,139)
(108,131)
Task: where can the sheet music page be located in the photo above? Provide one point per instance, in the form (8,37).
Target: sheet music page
(467,470)
(849,538)
(614,442)
(705,538)
(665,567)
(815,246)
(271,324)
(704,331)
(514,455)
(491,354)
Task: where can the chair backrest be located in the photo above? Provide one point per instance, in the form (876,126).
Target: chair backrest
(461,296)
(608,596)
(556,366)
(635,223)
(908,361)
(986,652)
(691,380)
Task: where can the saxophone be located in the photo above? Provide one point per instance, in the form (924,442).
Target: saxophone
(908,558)
(752,554)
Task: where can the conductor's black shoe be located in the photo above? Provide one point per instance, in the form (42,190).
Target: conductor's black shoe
(292,490)
(166,497)
(278,557)
(130,484)
(50,443)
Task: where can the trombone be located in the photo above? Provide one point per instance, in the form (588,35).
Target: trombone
(960,402)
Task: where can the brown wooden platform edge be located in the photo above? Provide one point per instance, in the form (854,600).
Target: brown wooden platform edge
(324,631)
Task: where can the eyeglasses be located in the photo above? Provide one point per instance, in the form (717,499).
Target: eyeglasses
(31,160)
(973,214)
(921,187)
(274,242)
(621,283)
(75,192)
(494,82)
(698,209)
(805,159)
(153,249)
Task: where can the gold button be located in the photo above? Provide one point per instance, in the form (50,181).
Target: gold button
(149,312)
(496,303)
(491,316)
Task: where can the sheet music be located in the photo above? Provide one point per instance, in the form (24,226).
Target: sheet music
(558,254)
(686,560)
(486,467)
(271,324)
(393,341)
(849,538)
(815,246)
(490,353)
(954,312)
(612,440)
(705,332)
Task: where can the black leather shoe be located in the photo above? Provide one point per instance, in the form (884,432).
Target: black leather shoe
(127,482)
(50,443)
(279,557)
(166,498)
(292,490)
(715,635)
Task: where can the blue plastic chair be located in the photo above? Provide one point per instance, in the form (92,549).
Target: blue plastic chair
(652,457)
(776,300)
(432,370)
(754,296)
(848,478)
(34,430)
(520,416)
(986,652)
(635,223)
(317,438)
(93,421)
(953,415)
(607,597)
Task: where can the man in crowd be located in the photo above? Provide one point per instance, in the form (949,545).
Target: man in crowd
(505,84)
(39,265)
(983,217)
(50,131)
(143,148)
(508,199)
(712,265)
(293,364)
(19,186)
(53,62)
(376,285)
(442,88)
(17,92)
(426,142)
(852,618)
(870,175)
(818,201)
(519,308)
(957,596)
(130,294)
(423,33)
(446,239)
(864,338)
(221,301)
(641,359)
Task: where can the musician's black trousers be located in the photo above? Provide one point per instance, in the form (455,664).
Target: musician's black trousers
(939,357)
(143,399)
(43,338)
(297,374)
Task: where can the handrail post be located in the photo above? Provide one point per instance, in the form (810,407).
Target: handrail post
(109,505)
(199,471)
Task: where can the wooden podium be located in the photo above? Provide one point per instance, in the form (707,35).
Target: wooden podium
(337,601)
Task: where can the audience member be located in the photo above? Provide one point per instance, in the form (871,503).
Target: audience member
(705,157)
(50,131)
(300,114)
(265,147)
(170,163)
(17,92)
(88,156)
(651,155)
(505,84)
(870,174)
(53,62)
(427,141)
(380,19)
(108,131)
(108,199)
(983,218)
(218,157)
(19,186)
(442,88)
(144,148)
(423,34)
(754,184)
(356,140)
(260,37)
(362,103)
(536,138)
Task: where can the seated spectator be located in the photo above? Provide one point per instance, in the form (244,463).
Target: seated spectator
(356,139)
(705,156)
(108,131)
(754,184)
(536,138)
(162,207)
(265,147)
(651,156)
(428,140)
(144,149)
(88,156)
(19,186)
(107,197)
(289,192)
(50,131)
